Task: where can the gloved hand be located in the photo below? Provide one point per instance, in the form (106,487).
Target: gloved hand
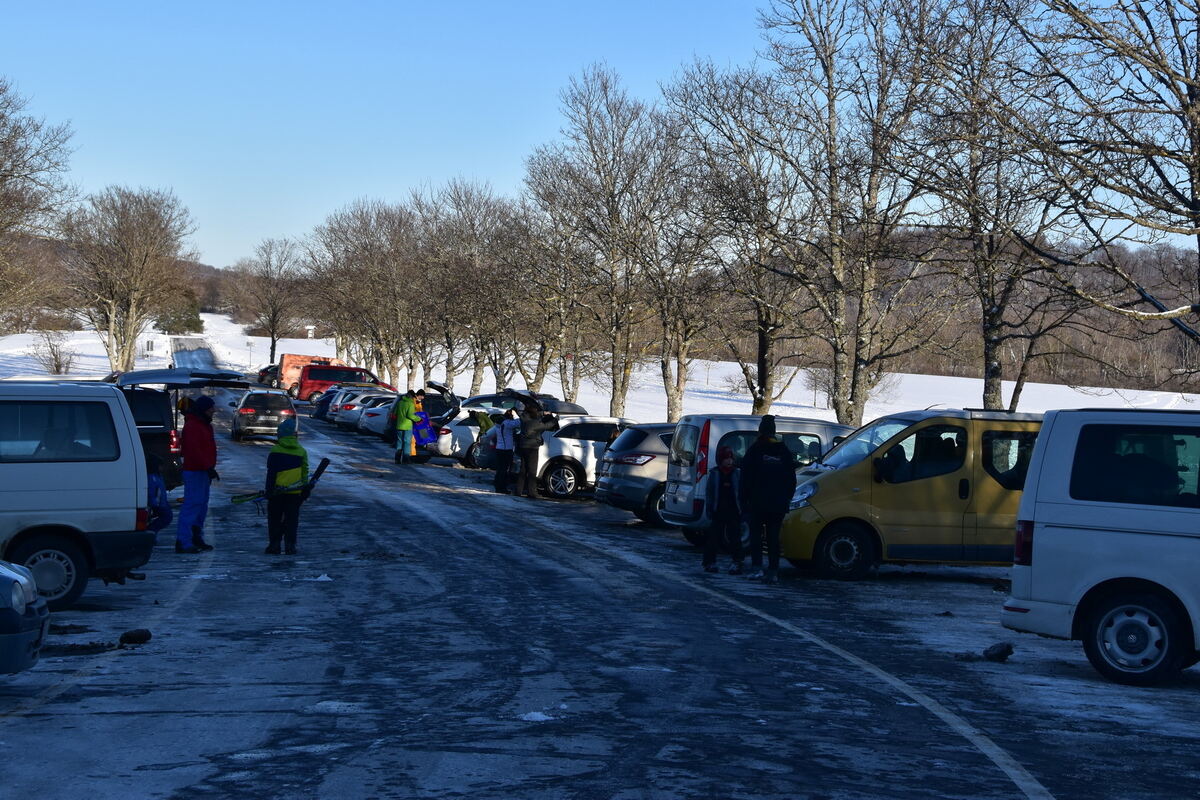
(213,475)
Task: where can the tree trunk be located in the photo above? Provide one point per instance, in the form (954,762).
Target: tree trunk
(993,394)
(274,342)
(479,363)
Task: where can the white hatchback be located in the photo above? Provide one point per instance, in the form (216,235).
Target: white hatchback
(1107,545)
(570,456)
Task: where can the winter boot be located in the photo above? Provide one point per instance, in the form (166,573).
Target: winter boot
(772,576)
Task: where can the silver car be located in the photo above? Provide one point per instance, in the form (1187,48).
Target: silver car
(633,471)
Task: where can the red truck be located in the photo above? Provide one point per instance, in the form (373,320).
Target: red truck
(316,378)
(291,365)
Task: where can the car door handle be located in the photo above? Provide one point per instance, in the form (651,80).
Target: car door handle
(964,489)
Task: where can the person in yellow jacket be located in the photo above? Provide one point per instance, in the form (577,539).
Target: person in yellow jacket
(406,415)
(287,465)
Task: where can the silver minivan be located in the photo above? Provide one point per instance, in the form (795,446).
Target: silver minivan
(698,439)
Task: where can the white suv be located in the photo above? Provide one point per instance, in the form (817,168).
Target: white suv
(1107,546)
(570,455)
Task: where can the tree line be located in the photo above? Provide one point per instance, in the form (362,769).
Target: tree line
(1000,188)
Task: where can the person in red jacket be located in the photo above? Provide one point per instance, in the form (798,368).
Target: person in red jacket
(199,471)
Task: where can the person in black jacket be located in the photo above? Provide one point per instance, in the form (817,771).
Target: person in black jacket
(768,483)
(529,445)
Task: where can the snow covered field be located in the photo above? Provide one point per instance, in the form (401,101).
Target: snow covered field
(708,389)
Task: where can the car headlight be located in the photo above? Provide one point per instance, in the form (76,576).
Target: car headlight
(803,493)
(16,597)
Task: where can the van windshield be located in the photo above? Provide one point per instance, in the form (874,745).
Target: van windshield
(864,441)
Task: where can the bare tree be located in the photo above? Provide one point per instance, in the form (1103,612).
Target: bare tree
(1124,98)
(856,91)
(122,262)
(597,178)
(267,288)
(33,163)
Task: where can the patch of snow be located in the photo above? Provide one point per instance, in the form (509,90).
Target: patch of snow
(335,707)
(537,716)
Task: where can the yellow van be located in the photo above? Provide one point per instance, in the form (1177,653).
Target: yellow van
(935,486)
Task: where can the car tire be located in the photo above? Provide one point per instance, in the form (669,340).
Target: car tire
(420,459)
(652,513)
(845,551)
(695,536)
(470,459)
(236,435)
(58,565)
(1136,639)
(314,397)
(293,391)
(562,480)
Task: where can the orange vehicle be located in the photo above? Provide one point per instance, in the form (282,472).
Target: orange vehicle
(290,366)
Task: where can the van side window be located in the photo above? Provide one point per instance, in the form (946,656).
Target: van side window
(1006,456)
(34,431)
(1144,464)
(932,451)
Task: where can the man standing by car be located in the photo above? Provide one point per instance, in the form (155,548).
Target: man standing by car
(406,416)
(199,471)
(506,443)
(768,483)
(529,445)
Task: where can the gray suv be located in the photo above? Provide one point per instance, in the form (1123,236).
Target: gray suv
(633,472)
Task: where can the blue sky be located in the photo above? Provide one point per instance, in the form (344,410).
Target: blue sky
(266,116)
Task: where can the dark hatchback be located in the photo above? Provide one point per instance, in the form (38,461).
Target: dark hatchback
(259,413)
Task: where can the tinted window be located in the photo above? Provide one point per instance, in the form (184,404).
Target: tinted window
(683,446)
(1145,464)
(571,432)
(37,430)
(338,374)
(629,439)
(436,405)
(926,453)
(266,402)
(1006,456)
(666,438)
(151,409)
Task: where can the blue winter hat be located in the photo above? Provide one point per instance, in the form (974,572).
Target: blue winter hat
(201,404)
(287,427)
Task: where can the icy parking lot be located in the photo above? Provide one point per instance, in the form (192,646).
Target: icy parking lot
(433,639)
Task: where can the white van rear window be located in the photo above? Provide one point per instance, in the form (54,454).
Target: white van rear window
(1155,465)
(53,431)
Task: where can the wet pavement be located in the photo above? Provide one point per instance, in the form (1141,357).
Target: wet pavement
(434,639)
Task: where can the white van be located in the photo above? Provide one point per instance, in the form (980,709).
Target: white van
(73,486)
(699,437)
(1107,546)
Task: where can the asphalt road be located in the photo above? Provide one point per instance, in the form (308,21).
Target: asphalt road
(433,639)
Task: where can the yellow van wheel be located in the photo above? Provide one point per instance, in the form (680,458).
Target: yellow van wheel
(845,551)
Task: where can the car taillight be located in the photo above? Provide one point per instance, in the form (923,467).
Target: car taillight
(443,431)
(371,414)
(173,445)
(1023,544)
(349,407)
(637,459)
(247,410)
(288,412)
(702,450)
(143,519)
